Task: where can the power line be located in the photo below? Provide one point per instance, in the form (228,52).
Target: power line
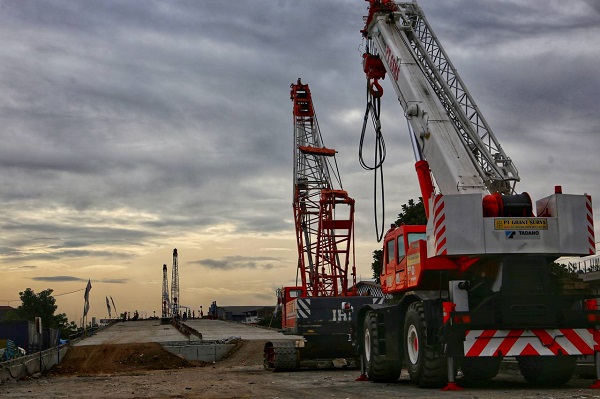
(72,292)
(64,293)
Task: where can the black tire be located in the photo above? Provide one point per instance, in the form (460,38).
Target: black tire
(480,368)
(426,367)
(373,364)
(547,371)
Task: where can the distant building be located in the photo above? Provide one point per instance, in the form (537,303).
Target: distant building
(245,314)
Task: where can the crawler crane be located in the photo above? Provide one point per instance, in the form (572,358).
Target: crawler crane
(475,284)
(321,307)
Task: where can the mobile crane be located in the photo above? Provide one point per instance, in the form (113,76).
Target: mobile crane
(475,284)
(321,307)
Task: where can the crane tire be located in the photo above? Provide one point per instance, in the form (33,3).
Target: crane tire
(373,363)
(426,367)
(547,371)
(480,368)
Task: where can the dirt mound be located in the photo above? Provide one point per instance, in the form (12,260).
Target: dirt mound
(245,353)
(110,359)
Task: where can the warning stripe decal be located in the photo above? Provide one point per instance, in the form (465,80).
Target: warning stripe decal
(549,342)
(590,220)
(303,308)
(378,300)
(439,230)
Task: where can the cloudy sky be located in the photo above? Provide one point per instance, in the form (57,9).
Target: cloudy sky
(132,128)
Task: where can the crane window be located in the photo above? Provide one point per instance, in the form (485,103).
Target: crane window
(412,237)
(295,293)
(401,248)
(390,252)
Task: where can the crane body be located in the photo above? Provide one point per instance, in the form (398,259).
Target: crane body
(476,283)
(320,307)
(175,286)
(166,301)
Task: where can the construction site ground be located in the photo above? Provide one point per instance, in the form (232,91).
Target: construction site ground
(132,364)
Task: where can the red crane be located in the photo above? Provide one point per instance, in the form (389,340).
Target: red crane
(320,308)
(324,216)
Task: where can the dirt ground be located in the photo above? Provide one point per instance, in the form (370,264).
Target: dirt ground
(148,371)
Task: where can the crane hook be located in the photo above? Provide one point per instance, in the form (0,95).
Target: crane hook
(375,89)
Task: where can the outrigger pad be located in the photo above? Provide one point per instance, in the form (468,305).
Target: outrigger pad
(452,386)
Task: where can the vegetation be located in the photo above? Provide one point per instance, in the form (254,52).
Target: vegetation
(41,305)
(412,214)
(561,270)
(377,264)
(274,321)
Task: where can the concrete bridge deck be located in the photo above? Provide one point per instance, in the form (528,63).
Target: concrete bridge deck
(140,331)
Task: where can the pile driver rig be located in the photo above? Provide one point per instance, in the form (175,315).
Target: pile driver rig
(321,306)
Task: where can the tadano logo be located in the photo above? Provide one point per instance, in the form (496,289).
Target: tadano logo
(522,235)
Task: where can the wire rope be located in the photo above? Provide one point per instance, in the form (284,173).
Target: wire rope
(373,110)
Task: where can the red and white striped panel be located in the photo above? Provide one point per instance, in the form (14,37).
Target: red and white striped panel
(590,225)
(566,341)
(439,223)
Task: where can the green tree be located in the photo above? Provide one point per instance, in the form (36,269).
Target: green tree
(272,321)
(41,305)
(412,214)
(377,263)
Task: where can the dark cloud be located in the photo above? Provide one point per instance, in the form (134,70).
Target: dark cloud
(58,278)
(239,262)
(594,5)
(55,279)
(113,280)
(125,124)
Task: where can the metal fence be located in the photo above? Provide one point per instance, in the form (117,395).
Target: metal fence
(586,264)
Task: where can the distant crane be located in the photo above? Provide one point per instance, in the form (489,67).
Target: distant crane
(175,285)
(166,303)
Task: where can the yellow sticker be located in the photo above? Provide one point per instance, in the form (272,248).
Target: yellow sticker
(521,224)
(413,259)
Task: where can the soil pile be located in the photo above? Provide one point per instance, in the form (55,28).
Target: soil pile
(245,353)
(120,358)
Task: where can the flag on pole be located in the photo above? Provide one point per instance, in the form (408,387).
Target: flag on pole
(108,307)
(86,296)
(114,306)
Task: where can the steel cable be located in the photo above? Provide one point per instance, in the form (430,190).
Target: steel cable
(373,109)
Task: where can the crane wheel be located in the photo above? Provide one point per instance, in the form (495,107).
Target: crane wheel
(373,362)
(546,370)
(426,367)
(480,368)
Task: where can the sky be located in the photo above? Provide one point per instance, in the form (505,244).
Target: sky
(132,128)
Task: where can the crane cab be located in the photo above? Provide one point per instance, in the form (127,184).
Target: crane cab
(401,257)
(286,299)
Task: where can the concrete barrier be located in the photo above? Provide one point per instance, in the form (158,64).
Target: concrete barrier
(201,351)
(30,365)
(189,332)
